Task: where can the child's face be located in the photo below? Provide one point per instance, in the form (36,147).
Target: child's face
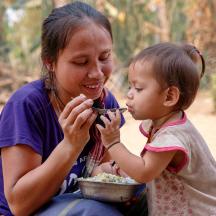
(145,98)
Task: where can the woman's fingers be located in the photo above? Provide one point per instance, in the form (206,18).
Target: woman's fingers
(89,122)
(71,105)
(78,132)
(76,111)
(74,108)
(85,119)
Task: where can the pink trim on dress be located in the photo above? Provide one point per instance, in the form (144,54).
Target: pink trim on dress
(177,122)
(164,149)
(173,148)
(143,131)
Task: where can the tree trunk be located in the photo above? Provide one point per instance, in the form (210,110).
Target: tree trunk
(59,3)
(163,20)
(2,10)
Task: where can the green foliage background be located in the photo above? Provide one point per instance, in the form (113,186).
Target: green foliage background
(136,24)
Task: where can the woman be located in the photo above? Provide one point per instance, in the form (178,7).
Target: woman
(48,136)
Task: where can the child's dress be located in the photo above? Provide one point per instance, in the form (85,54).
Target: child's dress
(189,188)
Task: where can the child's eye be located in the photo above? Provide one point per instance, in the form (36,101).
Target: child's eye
(138,89)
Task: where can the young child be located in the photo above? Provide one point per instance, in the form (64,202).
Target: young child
(176,163)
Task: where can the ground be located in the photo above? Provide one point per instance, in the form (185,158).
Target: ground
(200,113)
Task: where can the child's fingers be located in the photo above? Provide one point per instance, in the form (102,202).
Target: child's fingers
(115,118)
(118,115)
(100,128)
(105,120)
(111,115)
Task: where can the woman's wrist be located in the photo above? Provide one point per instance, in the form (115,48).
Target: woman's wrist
(71,147)
(69,150)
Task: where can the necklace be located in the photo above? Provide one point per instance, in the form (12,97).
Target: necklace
(58,102)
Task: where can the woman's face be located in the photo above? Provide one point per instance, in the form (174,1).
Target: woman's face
(85,64)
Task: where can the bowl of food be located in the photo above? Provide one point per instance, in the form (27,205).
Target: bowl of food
(108,187)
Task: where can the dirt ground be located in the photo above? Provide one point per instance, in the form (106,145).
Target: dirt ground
(200,113)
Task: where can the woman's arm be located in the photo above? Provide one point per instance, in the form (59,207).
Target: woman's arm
(28,184)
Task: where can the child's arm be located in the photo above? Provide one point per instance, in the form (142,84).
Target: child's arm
(142,169)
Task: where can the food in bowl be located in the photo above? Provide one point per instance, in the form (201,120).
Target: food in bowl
(110,178)
(108,187)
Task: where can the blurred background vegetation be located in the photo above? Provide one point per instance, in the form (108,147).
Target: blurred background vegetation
(136,24)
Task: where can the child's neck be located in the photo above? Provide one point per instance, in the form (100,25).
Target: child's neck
(169,117)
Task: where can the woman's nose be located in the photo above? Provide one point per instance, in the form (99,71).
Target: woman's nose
(96,72)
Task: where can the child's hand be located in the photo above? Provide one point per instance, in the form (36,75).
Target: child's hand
(106,167)
(110,133)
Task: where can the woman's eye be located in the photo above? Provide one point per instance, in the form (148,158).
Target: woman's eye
(105,56)
(80,62)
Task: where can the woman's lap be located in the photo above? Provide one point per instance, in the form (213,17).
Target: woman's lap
(73,204)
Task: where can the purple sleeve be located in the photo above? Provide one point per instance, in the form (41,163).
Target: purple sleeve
(20,124)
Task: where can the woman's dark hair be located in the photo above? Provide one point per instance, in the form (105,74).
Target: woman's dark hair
(57,30)
(63,22)
(175,65)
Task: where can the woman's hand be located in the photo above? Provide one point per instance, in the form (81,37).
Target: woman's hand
(110,133)
(76,120)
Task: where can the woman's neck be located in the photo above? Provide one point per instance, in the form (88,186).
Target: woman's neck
(57,102)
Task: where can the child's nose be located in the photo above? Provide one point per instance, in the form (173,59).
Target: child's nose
(130,94)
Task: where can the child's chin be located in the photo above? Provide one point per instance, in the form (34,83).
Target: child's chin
(134,116)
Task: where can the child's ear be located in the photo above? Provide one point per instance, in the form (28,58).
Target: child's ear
(172,96)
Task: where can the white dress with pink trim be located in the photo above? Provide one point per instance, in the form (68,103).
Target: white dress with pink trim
(186,189)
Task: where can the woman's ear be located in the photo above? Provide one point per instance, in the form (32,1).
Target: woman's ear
(48,65)
(172,96)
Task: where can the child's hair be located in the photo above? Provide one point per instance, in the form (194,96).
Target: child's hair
(175,65)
